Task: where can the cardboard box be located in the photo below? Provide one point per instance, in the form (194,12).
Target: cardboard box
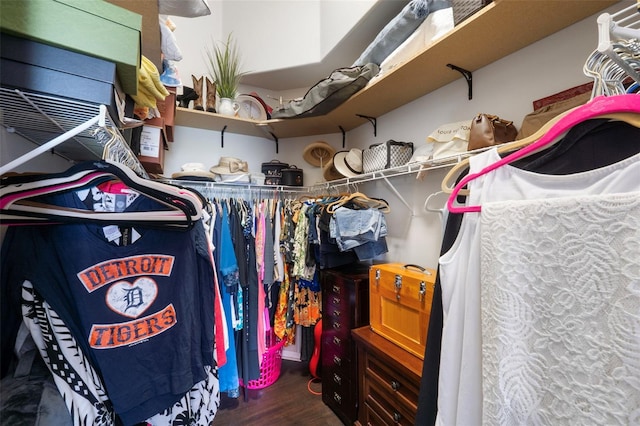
(93,28)
(153,142)
(400,299)
(40,68)
(167,109)
(151,40)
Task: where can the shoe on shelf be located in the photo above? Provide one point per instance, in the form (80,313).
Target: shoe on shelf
(188,95)
(198,86)
(211,95)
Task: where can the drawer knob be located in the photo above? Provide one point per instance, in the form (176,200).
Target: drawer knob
(337,378)
(336,289)
(337,360)
(336,325)
(396,417)
(395,385)
(337,313)
(336,340)
(336,300)
(337,397)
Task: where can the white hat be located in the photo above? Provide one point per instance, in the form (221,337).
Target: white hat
(193,170)
(348,163)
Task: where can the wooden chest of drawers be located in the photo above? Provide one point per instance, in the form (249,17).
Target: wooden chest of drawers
(345,300)
(389,380)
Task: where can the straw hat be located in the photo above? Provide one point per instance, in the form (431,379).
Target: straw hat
(348,163)
(193,170)
(329,172)
(230,166)
(318,153)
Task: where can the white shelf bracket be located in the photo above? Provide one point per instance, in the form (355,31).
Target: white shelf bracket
(50,145)
(400,197)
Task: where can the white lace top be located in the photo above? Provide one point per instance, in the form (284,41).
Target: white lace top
(560,291)
(460,390)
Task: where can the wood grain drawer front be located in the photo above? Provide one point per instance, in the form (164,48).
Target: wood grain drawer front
(400,390)
(338,348)
(340,378)
(340,395)
(345,305)
(339,287)
(337,340)
(337,318)
(379,401)
(372,418)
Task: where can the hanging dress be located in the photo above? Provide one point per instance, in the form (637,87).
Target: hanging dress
(460,377)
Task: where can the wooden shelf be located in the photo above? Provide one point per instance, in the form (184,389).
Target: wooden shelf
(210,121)
(497,30)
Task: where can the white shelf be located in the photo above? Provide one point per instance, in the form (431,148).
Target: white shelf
(66,126)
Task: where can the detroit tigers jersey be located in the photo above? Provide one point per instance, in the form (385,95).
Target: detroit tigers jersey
(142,308)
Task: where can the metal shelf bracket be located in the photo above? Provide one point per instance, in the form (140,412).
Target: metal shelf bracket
(467,76)
(373,122)
(222,136)
(275,139)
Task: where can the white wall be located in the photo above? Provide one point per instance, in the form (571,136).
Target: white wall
(271,35)
(13,146)
(506,87)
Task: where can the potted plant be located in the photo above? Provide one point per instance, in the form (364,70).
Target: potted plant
(225,70)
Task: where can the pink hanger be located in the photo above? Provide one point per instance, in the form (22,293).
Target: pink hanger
(598,106)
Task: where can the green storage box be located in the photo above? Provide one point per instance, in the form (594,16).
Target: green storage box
(92,27)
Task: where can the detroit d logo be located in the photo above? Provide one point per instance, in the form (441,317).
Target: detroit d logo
(132,300)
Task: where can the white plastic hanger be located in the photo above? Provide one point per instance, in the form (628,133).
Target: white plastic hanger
(619,40)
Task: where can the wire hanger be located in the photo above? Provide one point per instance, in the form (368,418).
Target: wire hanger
(594,108)
(116,149)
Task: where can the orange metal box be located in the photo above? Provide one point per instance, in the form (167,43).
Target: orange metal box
(400,304)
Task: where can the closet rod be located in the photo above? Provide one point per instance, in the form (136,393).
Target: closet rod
(407,169)
(100,119)
(203,186)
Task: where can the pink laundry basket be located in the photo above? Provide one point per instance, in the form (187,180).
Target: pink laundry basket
(270,367)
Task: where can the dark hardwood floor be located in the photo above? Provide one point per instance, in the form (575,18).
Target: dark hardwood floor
(287,402)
